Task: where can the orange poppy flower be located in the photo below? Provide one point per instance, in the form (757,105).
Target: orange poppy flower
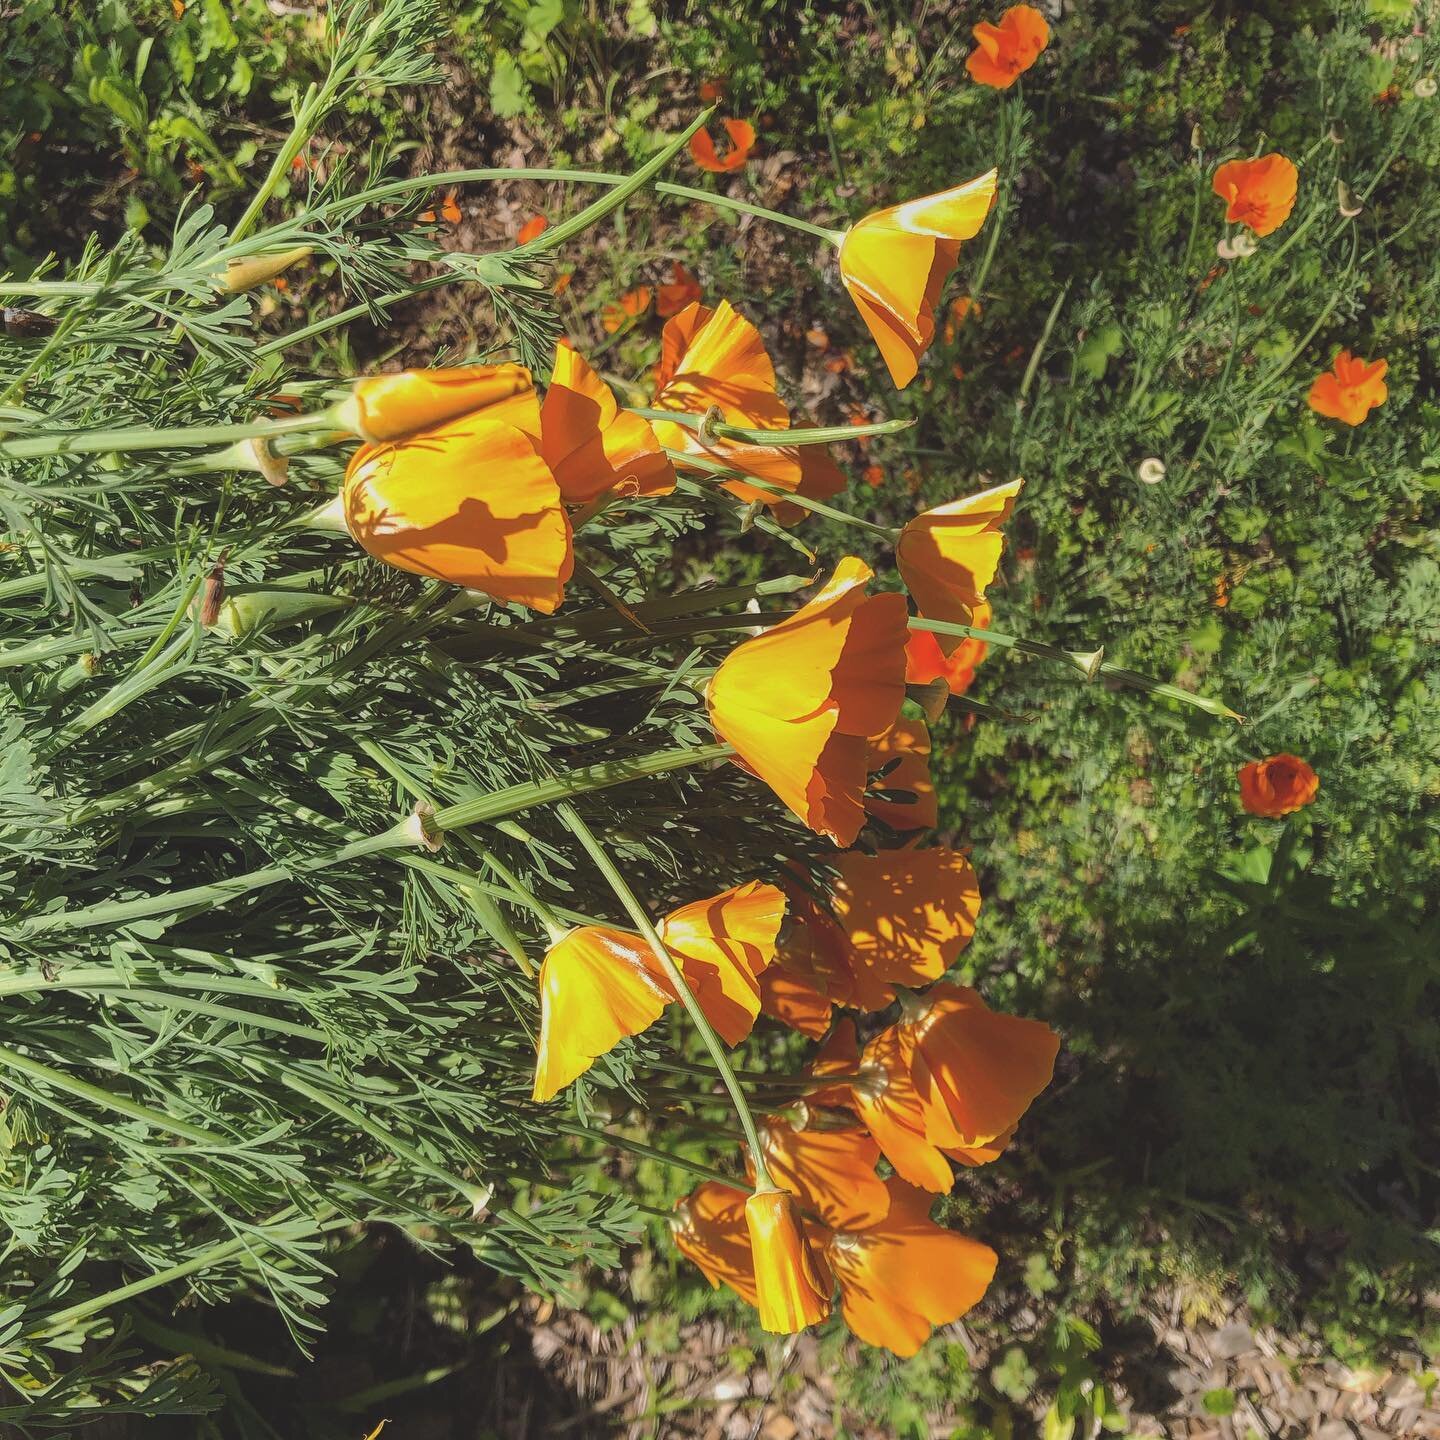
(831,1172)
(799,701)
(817,948)
(960,309)
(902,758)
(873,476)
(532,229)
(722,945)
(591,444)
(597,986)
(471,502)
(947,556)
(901,1275)
(683,290)
(895,262)
(892,1109)
(710,1230)
(741,134)
(1007,50)
(1278,785)
(391,407)
(711,90)
(926,661)
(1351,390)
(907,914)
(791,1282)
(836,1063)
(617,314)
(977,1070)
(791,998)
(1259,194)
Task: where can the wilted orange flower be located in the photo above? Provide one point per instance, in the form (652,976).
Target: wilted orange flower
(591,444)
(902,758)
(617,314)
(1351,390)
(901,1275)
(799,702)
(791,1282)
(721,946)
(390,407)
(597,986)
(1008,49)
(947,556)
(1222,591)
(683,290)
(1259,194)
(830,1171)
(532,229)
(1278,785)
(907,914)
(471,502)
(895,262)
(710,1230)
(926,661)
(742,142)
(977,1070)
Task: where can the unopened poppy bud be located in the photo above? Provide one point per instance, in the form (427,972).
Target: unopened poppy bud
(1350,207)
(790,1288)
(246,274)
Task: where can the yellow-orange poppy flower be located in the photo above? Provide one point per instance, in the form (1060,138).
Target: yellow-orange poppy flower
(907,914)
(899,764)
(947,556)
(799,701)
(902,1275)
(683,290)
(895,262)
(616,315)
(1351,390)
(1278,785)
(926,661)
(894,1112)
(472,502)
(722,945)
(710,1230)
(597,986)
(590,443)
(976,1070)
(830,1171)
(1006,51)
(741,134)
(835,1065)
(816,949)
(791,1282)
(1259,194)
(392,407)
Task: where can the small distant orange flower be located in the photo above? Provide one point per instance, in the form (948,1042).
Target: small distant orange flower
(961,309)
(177,8)
(626,310)
(391,407)
(299,162)
(562,282)
(1259,194)
(837,364)
(830,1171)
(683,289)
(1005,51)
(858,417)
(532,229)
(873,476)
(947,556)
(711,90)
(901,1275)
(800,701)
(1278,785)
(450,208)
(591,444)
(901,757)
(742,142)
(1222,591)
(1351,390)
(791,1281)
(895,262)
(710,1230)
(906,914)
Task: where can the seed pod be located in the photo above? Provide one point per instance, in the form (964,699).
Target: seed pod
(246,608)
(257,269)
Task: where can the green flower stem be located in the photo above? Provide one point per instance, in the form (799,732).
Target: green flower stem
(742,435)
(476,1196)
(107,1099)
(124,442)
(638,1147)
(816,507)
(1091,665)
(640,918)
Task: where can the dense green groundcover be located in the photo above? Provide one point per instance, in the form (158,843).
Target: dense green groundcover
(1246,1097)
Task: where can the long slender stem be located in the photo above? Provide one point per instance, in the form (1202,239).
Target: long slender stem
(640,918)
(743,435)
(105,442)
(793,497)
